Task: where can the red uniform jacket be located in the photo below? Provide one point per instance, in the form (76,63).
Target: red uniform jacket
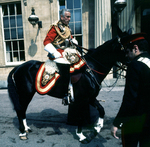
(51,35)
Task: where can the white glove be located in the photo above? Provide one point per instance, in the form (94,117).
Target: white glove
(52,50)
(61,60)
(56,54)
(74,41)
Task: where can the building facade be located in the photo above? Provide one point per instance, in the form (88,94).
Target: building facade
(91,23)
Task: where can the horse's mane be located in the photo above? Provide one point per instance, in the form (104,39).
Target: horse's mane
(102,47)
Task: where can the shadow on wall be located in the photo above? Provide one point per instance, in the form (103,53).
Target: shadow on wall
(32,49)
(106,35)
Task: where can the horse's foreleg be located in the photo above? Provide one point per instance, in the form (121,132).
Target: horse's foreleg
(99,123)
(24,129)
(27,128)
(80,135)
(22,135)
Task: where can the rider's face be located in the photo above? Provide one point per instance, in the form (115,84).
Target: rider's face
(66,19)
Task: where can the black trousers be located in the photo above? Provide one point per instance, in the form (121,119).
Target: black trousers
(135,131)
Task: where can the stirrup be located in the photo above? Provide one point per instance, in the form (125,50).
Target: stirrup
(66,100)
(70,96)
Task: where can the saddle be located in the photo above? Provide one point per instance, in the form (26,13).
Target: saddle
(49,73)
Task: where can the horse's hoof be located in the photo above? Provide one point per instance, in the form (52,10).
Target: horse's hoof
(23,137)
(85,141)
(97,129)
(28,131)
(93,134)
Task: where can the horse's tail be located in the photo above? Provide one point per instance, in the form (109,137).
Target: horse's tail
(12,90)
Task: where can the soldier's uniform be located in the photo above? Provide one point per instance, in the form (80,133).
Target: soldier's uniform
(59,45)
(134,114)
(57,40)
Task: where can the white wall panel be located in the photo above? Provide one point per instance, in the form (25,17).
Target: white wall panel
(127,18)
(102,21)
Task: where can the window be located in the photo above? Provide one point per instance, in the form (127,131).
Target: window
(76,17)
(146,12)
(13,32)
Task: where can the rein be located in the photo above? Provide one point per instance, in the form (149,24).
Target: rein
(120,67)
(91,69)
(94,70)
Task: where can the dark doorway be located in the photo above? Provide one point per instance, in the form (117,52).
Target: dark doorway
(145,18)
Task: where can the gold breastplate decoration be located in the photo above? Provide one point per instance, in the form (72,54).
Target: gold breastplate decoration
(64,33)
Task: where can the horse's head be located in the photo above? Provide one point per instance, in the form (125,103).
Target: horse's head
(107,54)
(120,44)
(115,48)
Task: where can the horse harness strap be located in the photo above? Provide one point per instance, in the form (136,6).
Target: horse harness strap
(63,32)
(119,41)
(88,70)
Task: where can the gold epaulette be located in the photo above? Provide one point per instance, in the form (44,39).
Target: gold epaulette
(54,24)
(62,35)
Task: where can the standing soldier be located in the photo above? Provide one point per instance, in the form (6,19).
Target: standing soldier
(134,115)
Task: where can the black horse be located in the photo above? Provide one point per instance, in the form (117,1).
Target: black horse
(99,61)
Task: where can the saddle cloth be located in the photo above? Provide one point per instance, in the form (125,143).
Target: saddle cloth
(48,74)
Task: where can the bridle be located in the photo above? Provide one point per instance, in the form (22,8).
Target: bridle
(120,67)
(119,41)
(91,70)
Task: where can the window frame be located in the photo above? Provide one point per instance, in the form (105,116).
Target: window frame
(7,63)
(74,35)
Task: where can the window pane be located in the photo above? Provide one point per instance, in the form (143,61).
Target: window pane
(78,28)
(19,20)
(77,15)
(79,38)
(18,6)
(9,56)
(8,46)
(15,46)
(22,56)
(13,34)
(62,7)
(4,9)
(69,4)
(12,21)
(6,22)
(77,4)
(72,16)
(62,4)
(7,34)
(71,25)
(15,57)
(20,33)
(21,45)
(11,9)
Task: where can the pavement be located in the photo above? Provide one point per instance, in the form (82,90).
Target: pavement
(47,118)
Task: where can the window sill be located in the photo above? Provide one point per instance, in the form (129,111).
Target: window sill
(14,63)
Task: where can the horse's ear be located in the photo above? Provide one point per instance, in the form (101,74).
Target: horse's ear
(130,31)
(119,31)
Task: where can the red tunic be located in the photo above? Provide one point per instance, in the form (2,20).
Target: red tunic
(50,37)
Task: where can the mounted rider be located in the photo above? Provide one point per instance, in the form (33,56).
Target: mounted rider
(59,45)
